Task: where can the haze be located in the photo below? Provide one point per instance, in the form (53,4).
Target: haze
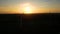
(41,6)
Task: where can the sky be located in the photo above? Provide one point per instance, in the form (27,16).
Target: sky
(13,6)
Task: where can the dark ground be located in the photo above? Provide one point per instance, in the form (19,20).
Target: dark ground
(49,23)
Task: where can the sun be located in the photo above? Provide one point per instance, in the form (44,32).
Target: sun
(27,10)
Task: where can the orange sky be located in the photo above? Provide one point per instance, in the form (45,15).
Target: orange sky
(40,6)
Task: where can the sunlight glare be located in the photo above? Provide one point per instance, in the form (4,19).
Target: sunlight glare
(27,10)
